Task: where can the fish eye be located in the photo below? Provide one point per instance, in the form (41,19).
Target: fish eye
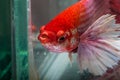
(61,39)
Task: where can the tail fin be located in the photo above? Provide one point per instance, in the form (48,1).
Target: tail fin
(99,46)
(115,9)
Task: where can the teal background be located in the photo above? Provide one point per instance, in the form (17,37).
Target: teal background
(5,40)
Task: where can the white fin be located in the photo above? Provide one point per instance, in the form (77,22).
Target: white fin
(99,47)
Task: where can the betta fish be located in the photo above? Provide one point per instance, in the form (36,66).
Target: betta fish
(89,28)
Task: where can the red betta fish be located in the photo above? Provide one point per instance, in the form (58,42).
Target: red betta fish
(89,28)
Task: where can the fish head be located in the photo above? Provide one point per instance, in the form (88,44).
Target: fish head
(60,41)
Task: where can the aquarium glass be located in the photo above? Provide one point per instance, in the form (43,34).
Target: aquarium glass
(20,39)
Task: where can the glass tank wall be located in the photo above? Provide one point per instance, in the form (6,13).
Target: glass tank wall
(20,39)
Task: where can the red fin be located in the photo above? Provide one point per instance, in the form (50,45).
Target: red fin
(115,9)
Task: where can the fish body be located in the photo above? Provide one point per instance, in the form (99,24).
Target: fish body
(79,15)
(82,28)
(66,22)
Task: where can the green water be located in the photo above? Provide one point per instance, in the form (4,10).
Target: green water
(5,40)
